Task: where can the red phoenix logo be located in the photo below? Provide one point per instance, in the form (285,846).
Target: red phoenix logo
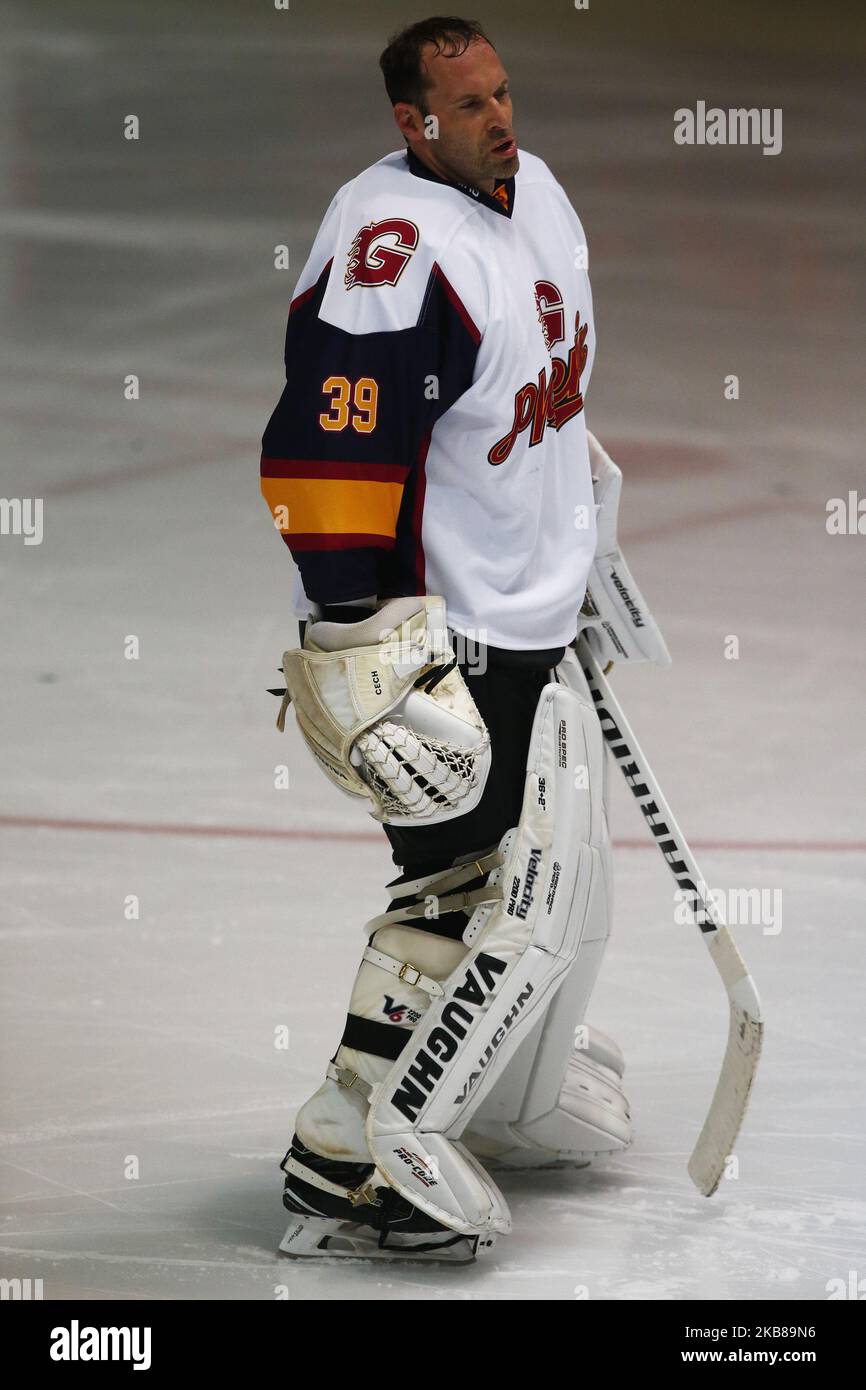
(381,251)
(553,400)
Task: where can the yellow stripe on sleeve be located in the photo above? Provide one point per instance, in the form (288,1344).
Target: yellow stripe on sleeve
(333,506)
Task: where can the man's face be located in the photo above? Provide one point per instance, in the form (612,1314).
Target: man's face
(468,94)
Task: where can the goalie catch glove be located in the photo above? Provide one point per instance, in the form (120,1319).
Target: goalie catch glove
(387,714)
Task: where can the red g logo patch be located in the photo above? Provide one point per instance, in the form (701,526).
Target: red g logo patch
(381,252)
(551,312)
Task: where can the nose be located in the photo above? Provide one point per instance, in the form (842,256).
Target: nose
(499,119)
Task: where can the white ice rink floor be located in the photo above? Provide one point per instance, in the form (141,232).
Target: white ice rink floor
(145,1107)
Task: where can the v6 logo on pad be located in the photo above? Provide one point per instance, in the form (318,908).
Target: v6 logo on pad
(399,1013)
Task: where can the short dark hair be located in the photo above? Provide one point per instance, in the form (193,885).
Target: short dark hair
(401,60)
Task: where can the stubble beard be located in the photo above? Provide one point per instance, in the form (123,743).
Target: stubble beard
(487,171)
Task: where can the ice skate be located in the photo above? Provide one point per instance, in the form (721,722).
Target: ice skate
(347,1210)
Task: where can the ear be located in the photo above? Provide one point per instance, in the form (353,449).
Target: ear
(409,122)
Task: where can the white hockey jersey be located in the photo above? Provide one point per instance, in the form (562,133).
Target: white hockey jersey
(430,437)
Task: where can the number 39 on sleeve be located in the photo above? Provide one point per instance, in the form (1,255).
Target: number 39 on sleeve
(358,405)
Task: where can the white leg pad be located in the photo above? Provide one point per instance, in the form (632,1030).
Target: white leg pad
(589,1120)
(524,949)
(551,1056)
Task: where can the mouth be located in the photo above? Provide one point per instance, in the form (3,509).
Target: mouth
(506,149)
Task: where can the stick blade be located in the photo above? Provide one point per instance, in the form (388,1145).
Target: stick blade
(724,1120)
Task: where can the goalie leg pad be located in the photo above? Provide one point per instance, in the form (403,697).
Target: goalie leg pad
(547,1071)
(589,1120)
(520,951)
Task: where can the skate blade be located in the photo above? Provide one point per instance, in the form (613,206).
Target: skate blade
(323,1238)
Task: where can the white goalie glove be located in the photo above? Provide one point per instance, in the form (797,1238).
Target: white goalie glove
(615,618)
(387,714)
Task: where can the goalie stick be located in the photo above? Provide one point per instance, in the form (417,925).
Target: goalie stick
(722,1125)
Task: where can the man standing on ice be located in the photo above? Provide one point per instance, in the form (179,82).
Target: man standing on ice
(430,469)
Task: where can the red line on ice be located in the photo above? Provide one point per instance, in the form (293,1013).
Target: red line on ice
(254,832)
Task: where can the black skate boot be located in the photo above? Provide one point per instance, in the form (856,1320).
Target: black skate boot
(347,1209)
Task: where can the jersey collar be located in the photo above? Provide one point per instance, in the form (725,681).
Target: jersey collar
(501,200)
